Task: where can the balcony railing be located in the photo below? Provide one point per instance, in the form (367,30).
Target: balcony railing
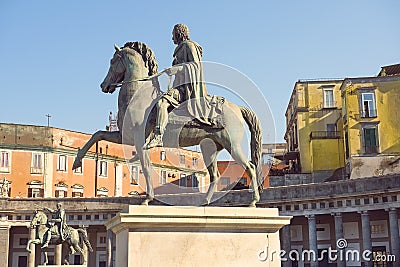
(325,135)
(371,113)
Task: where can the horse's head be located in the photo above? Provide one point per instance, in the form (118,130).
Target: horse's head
(38,218)
(116,72)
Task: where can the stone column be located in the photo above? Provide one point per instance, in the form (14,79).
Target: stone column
(394,235)
(312,237)
(58,254)
(85,253)
(339,235)
(31,256)
(285,244)
(4,244)
(366,235)
(110,248)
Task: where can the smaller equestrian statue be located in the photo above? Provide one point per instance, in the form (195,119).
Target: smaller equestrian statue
(48,232)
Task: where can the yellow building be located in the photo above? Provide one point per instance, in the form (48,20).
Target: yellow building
(313,129)
(371,120)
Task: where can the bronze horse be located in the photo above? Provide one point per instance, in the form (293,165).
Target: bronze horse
(136,100)
(40,222)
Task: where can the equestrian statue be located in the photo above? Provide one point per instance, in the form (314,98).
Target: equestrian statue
(55,231)
(144,113)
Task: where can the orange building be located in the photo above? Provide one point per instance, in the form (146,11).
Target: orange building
(37,161)
(233,174)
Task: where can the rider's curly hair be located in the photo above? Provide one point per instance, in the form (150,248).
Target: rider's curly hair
(181,32)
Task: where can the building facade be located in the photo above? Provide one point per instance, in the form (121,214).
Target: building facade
(36,169)
(371,125)
(37,161)
(313,129)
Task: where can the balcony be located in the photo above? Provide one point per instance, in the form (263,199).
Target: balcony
(324,135)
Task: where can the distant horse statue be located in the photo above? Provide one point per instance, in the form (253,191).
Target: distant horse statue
(40,222)
(136,61)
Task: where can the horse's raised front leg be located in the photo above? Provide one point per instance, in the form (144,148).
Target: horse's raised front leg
(114,137)
(210,151)
(32,241)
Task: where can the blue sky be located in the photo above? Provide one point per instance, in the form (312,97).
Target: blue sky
(54,54)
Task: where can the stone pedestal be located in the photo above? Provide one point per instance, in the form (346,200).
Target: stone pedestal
(197,236)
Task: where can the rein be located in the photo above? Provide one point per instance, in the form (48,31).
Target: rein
(143,79)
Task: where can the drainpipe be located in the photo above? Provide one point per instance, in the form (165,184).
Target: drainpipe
(95,168)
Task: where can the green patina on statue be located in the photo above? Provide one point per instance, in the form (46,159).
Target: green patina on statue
(145,114)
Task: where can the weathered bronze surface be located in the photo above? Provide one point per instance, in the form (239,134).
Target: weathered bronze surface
(131,67)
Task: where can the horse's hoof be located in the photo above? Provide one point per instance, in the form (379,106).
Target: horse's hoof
(205,203)
(77,163)
(253,204)
(146,201)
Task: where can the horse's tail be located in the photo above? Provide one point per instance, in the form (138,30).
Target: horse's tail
(85,238)
(256,142)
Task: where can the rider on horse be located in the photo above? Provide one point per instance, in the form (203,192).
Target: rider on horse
(60,222)
(188,85)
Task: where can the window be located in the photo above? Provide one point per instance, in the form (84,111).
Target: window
(182,159)
(368,107)
(77,190)
(103,168)
(4,161)
(23,241)
(182,180)
(37,163)
(242,180)
(370,139)
(162,155)
(80,169)
(102,192)
(60,193)
(62,163)
(134,175)
(192,181)
(101,239)
(77,259)
(225,180)
(34,192)
(195,162)
(35,189)
(328,98)
(163,177)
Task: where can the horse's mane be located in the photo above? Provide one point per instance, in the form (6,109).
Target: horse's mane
(147,54)
(148,57)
